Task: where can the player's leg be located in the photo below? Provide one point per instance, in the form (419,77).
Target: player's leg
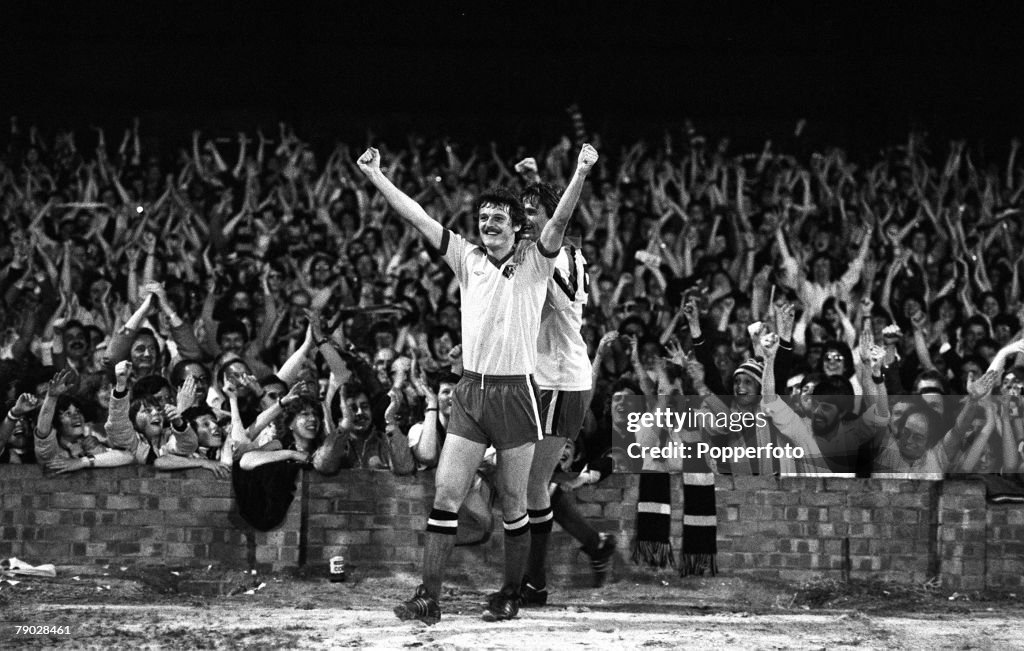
(512,479)
(600,547)
(455,473)
(545,459)
(456,469)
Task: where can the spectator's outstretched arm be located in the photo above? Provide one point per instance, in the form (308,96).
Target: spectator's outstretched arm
(121,340)
(407,209)
(105,459)
(402,462)
(182,333)
(978,391)
(45,438)
(175,462)
(554,230)
(257,458)
(790,267)
(292,366)
(119,429)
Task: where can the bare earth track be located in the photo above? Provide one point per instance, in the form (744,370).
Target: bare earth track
(156,608)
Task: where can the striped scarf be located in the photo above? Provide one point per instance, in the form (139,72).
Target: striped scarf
(699,551)
(652,544)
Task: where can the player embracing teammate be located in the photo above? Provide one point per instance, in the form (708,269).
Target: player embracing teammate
(496,403)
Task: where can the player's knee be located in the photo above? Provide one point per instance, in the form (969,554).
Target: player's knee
(513,503)
(537,496)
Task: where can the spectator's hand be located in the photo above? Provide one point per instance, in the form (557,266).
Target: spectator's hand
(455,359)
(574,483)
(400,370)
(867,342)
(866,305)
(62,466)
(316,329)
(750,243)
(676,355)
(186,394)
(785,318)
(422,387)
(219,470)
(919,320)
(297,391)
(149,243)
(230,390)
(760,279)
(981,387)
(527,166)
(369,162)
(249,380)
(876,355)
(172,413)
(60,383)
(692,313)
(25,405)
(607,340)
(770,345)
(122,371)
(391,413)
(132,255)
(696,372)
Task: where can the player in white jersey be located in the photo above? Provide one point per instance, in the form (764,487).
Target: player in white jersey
(565,380)
(495,403)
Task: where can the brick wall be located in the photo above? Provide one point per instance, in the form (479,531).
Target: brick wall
(791,528)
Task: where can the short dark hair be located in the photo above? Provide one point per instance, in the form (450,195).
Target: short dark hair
(192,414)
(228,326)
(353,388)
(837,390)
(178,371)
(498,196)
(150,386)
(547,194)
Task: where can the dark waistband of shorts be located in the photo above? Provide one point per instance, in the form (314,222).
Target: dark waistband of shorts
(486,379)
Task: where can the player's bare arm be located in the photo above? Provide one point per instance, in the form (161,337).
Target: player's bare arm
(554,230)
(403,204)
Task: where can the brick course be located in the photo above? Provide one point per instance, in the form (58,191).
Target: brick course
(791,528)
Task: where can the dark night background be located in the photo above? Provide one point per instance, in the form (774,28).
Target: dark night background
(862,74)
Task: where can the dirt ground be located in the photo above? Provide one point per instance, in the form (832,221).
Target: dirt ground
(124,607)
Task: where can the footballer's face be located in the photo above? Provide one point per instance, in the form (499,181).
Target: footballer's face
(537,215)
(496,229)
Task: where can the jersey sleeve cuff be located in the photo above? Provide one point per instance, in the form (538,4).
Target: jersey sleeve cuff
(544,252)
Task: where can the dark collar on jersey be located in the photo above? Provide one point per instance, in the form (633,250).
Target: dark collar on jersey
(496,262)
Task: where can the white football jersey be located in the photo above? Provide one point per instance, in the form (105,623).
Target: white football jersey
(501,305)
(562,361)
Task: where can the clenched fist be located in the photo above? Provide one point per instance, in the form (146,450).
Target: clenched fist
(588,156)
(369,162)
(121,372)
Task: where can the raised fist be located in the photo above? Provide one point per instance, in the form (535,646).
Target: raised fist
(588,156)
(369,162)
(121,372)
(527,166)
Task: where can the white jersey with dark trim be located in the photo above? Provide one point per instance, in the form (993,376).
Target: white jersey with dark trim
(563,362)
(501,305)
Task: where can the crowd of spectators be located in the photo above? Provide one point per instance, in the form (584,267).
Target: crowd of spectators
(250,302)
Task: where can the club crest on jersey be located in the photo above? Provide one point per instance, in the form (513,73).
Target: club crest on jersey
(509,271)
